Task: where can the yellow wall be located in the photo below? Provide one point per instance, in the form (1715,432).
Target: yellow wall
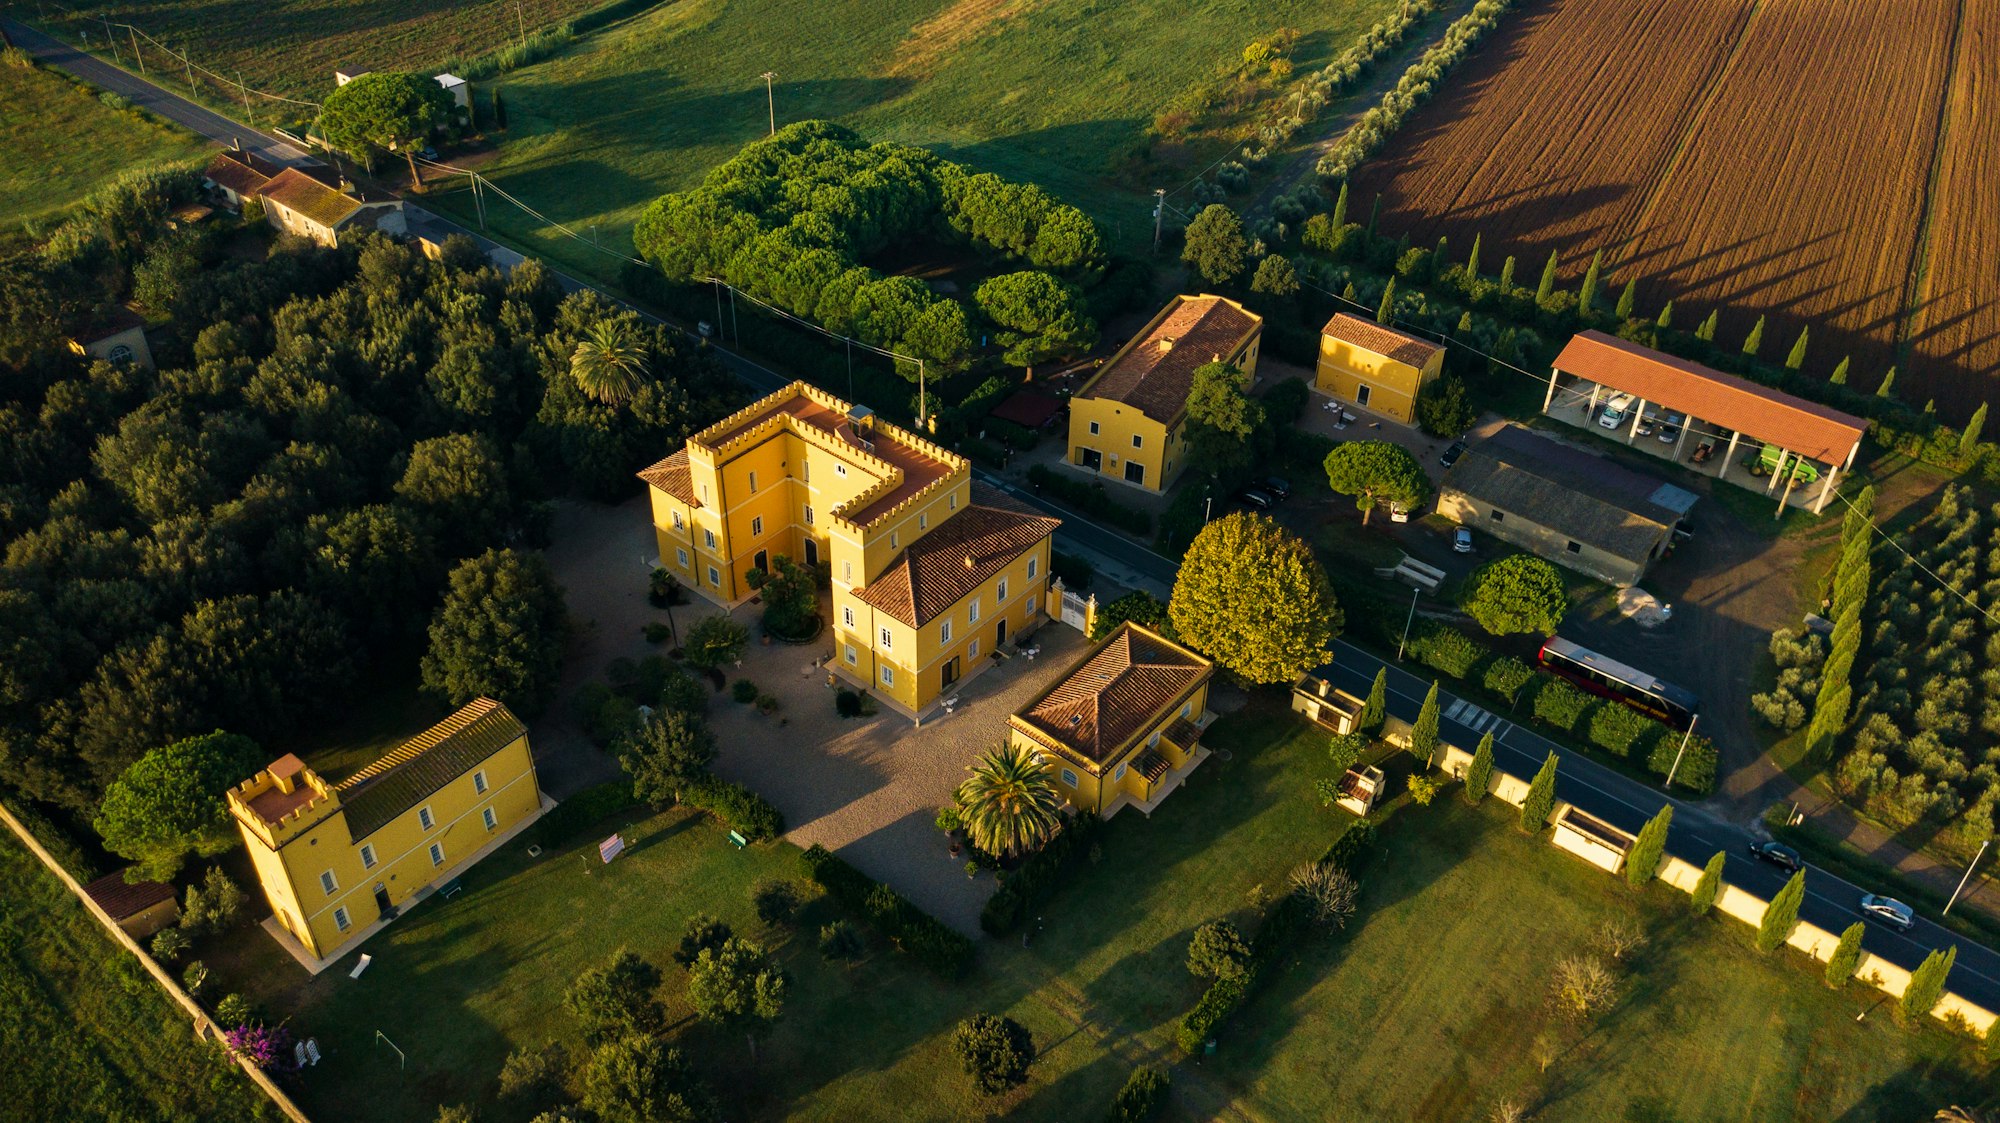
(1097,786)
(290,873)
(1393,387)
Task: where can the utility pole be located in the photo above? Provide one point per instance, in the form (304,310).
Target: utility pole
(1967,877)
(479,202)
(1411,619)
(189,63)
(521,21)
(922,407)
(733,328)
(135,50)
(1683,752)
(718,304)
(249,112)
(1159,214)
(108,40)
(771,100)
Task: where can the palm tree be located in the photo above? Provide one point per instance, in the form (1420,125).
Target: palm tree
(1957,1114)
(1010,804)
(608,364)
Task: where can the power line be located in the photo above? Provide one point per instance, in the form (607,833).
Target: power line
(185,60)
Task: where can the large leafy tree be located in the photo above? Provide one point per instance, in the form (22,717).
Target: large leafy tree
(737,985)
(498,634)
(459,480)
(1138,606)
(390,110)
(1221,417)
(1036,317)
(1009,805)
(609,364)
(1376,472)
(1518,593)
(994,1050)
(1216,247)
(638,1079)
(617,998)
(169,804)
(1252,596)
(791,597)
(665,755)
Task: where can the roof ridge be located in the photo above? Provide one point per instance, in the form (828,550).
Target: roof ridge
(452,725)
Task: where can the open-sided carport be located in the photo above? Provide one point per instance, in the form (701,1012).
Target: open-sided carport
(1714,406)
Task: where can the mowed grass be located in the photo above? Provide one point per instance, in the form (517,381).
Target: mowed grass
(1057,92)
(85,1033)
(1432,1007)
(58,142)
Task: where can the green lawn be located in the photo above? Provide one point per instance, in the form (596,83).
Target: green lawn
(1058,92)
(58,142)
(85,1033)
(1432,1008)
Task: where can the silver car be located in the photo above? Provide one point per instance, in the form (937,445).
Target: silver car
(1889,911)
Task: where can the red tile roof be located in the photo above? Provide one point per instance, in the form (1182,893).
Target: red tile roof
(946,565)
(1155,372)
(115,896)
(392,785)
(1030,409)
(296,191)
(1119,690)
(1808,428)
(242,172)
(673,477)
(1371,336)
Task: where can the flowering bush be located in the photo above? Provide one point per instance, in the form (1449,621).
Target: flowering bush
(267,1047)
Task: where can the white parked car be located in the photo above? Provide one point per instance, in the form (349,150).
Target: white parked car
(1614,411)
(1398,513)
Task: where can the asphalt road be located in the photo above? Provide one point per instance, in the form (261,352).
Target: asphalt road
(1831,901)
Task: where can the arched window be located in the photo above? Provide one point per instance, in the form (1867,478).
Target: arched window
(121,354)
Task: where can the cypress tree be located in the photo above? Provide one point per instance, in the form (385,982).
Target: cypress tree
(1541,798)
(1927,984)
(1586,293)
(499,110)
(1706,332)
(1642,864)
(1377,706)
(1666,319)
(1846,956)
(1888,381)
(1782,914)
(1472,261)
(1627,299)
(1480,772)
(1340,208)
(1839,375)
(1548,284)
(1755,339)
(1705,890)
(1424,734)
(1437,261)
(1989,1049)
(1348,293)
(1969,439)
(1930,406)
(1374,212)
(1797,358)
(1507,275)
(1465,324)
(1387,311)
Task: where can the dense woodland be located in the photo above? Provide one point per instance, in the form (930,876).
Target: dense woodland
(266,526)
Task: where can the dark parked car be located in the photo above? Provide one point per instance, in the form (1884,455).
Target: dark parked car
(1778,854)
(1277,487)
(1452,454)
(1889,911)
(1256,499)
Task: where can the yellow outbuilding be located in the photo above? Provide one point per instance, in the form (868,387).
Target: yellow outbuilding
(1374,367)
(338,860)
(930,573)
(1124,727)
(1129,421)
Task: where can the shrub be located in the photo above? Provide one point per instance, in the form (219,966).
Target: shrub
(704,933)
(1090,498)
(915,932)
(777,900)
(1145,1092)
(743,690)
(1217,951)
(841,940)
(746,812)
(170,944)
(1075,571)
(617,998)
(657,632)
(1617,728)
(604,715)
(1560,705)
(1220,1000)
(1506,676)
(995,1051)
(233,1010)
(531,1076)
(1697,770)
(1008,908)
(847,703)
(1345,750)
(1446,649)
(589,806)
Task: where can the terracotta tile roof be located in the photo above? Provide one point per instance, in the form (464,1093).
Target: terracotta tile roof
(242,172)
(1030,409)
(1155,372)
(299,192)
(121,900)
(673,477)
(946,565)
(1574,493)
(427,762)
(1120,689)
(1371,336)
(1820,432)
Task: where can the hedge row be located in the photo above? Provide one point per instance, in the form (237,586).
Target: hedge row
(910,928)
(746,812)
(1007,909)
(1281,927)
(591,805)
(1090,498)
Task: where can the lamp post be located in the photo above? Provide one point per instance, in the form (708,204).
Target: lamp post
(1689,736)
(771,99)
(1967,877)
(1409,620)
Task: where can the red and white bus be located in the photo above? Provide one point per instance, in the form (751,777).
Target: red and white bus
(1608,678)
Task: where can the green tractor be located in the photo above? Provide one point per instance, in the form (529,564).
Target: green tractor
(1764,461)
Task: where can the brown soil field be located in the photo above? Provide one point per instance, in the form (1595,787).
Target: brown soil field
(1768,157)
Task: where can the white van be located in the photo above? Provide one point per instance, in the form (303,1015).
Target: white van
(1614,411)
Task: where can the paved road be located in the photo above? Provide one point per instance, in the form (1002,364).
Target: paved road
(1612,796)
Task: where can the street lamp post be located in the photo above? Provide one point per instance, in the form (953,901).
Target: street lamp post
(1967,877)
(1683,751)
(771,99)
(1411,619)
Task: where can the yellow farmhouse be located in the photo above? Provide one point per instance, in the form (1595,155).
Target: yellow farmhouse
(931,573)
(1124,727)
(336,859)
(1128,421)
(1379,368)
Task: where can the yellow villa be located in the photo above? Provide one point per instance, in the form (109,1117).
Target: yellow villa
(339,860)
(1124,727)
(1129,421)
(930,572)
(1374,367)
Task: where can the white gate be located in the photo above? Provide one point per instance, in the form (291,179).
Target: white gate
(1075,610)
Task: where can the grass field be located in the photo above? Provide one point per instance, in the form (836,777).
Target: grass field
(1059,92)
(58,142)
(85,1033)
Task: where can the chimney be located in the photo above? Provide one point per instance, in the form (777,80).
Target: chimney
(971,562)
(1166,344)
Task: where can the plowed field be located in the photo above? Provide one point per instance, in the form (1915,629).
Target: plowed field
(1768,157)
